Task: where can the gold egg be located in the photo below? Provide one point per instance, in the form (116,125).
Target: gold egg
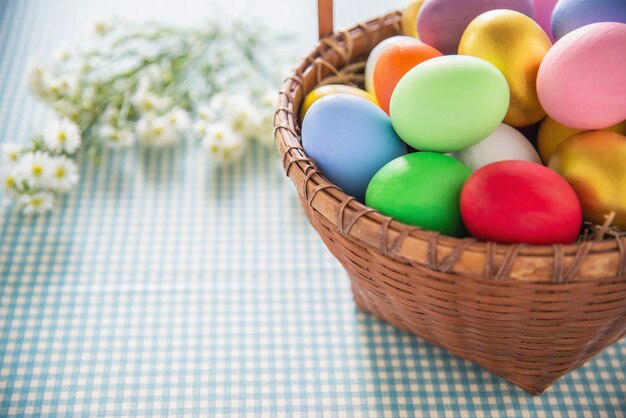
(552,134)
(594,164)
(516,45)
(409,18)
(322,91)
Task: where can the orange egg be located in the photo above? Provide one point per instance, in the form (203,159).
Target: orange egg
(394,63)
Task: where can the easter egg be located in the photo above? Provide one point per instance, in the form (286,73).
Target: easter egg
(582,80)
(569,15)
(421,189)
(505,143)
(543,15)
(516,45)
(394,63)
(323,91)
(409,18)
(552,134)
(449,103)
(373,57)
(442,22)
(350,139)
(520,202)
(594,163)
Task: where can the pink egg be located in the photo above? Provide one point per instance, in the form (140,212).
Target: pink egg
(582,79)
(543,15)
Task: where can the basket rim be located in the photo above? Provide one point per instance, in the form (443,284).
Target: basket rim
(558,263)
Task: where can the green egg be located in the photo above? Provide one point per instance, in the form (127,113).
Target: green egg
(449,103)
(421,189)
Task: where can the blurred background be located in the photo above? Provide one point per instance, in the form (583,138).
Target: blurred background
(162,287)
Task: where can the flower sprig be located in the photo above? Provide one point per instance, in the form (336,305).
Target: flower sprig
(147,83)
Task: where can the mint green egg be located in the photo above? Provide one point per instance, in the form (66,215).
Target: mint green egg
(449,103)
(421,189)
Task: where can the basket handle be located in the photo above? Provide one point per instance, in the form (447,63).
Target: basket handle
(325,17)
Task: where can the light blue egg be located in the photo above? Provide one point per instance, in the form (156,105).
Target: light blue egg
(350,139)
(569,15)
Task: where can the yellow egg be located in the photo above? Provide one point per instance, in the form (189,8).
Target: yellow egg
(409,18)
(322,91)
(594,164)
(516,45)
(552,134)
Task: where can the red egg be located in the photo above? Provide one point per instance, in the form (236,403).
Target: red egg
(520,202)
(394,63)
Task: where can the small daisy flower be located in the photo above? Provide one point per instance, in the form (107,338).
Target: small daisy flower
(146,101)
(63,174)
(37,80)
(66,109)
(100,27)
(37,203)
(156,131)
(34,168)
(10,153)
(269,100)
(201,128)
(62,87)
(222,144)
(206,113)
(179,119)
(266,129)
(11,182)
(116,138)
(62,135)
(243,116)
(63,54)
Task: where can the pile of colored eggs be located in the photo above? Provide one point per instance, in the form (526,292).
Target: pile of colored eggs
(443,136)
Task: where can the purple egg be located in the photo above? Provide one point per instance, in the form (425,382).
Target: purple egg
(441,23)
(569,15)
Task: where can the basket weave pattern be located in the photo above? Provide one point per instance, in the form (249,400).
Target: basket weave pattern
(528,314)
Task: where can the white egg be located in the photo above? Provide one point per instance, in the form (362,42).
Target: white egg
(373,57)
(505,143)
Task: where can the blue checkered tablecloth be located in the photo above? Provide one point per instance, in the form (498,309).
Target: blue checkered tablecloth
(164,288)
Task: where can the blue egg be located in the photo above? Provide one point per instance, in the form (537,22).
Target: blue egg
(350,139)
(573,14)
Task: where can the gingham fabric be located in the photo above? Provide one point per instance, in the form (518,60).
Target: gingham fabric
(164,288)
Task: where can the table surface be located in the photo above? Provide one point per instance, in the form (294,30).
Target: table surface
(162,287)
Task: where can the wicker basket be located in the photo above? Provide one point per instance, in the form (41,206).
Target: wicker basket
(529,314)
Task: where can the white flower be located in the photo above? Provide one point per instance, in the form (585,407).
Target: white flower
(11,181)
(114,138)
(266,131)
(156,131)
(63,54)
(62,87)
(222,144)
(37,79)
(243,116)
(63,174)
(100,27)
(178,118)
(146,101)
(269,100)
(66,109)
(201,127)
(35,168)
(206,112)
(37,203)
(10,153)
(62,136)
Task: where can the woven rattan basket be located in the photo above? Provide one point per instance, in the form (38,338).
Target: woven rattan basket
(529,314)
